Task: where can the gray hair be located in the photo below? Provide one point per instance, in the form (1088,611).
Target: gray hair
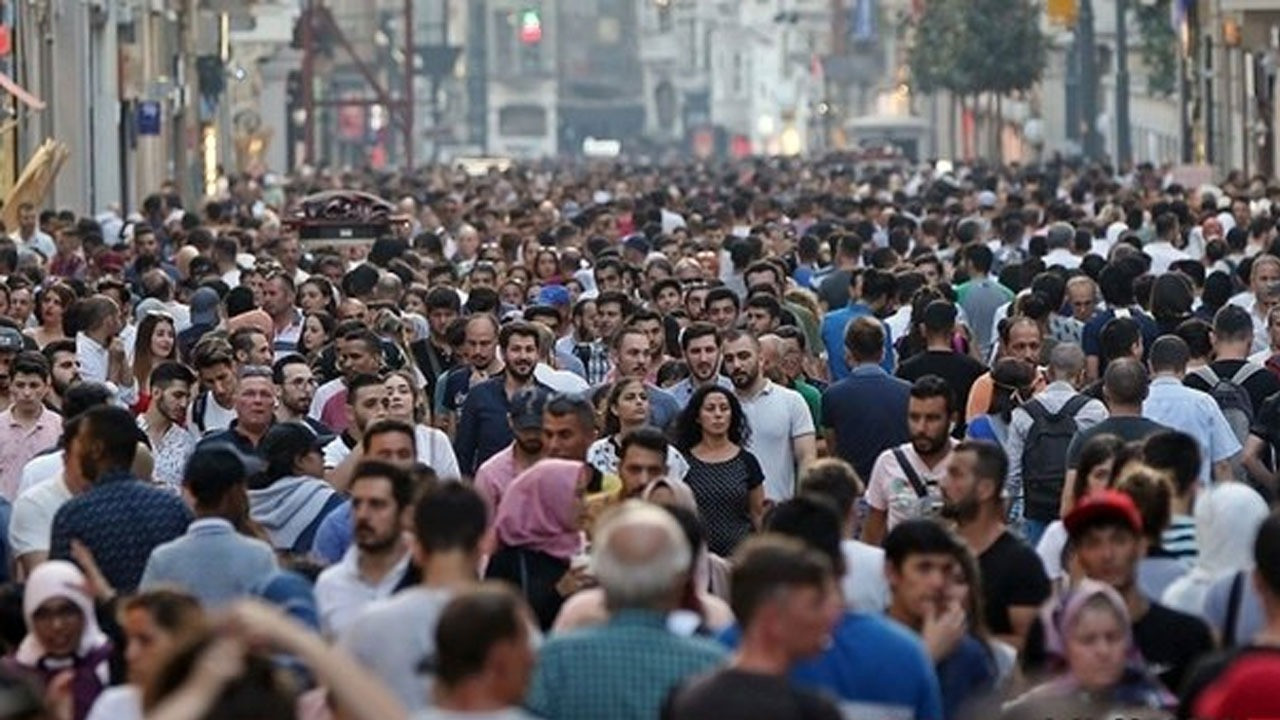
(1066,361)
(640,557)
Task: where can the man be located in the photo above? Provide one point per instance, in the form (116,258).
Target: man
(366,404)
(250,346)
(255,408)
(525,419)
(1232,370)
(763,315)
(1120,338)
(479,350)
(278,302)
(377,562)
(163,422)
(121,519)
(1167,246)
(585,343)
(390,638)
(778,587)
(640,557)
(359,353)
(27,428)
(1124,387)
(1014,584)
(782,434)
(870,294)
(981,294)
(1240,682)
(865,413)
(700,344)
(1022,338)
(833,286)
(940,358)
(99,349)
(64,371)
(215,485)
(1176,455)
(863,583)
(205,308)
(29,237)
(1116,283)
(288,252)
(290,499)
(1082,295)
(904,480)
(1264,273)
(1105,531)
(483,429)
(650,323)
(568,430)
(923,560)
(645,456)
(1174,405)
(722,308)
(295,388)
(11,343)
(214,409)
(433,354)
(1040,433)
(1058,238)
(631,355)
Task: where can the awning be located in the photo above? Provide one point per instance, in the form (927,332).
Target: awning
(19,92)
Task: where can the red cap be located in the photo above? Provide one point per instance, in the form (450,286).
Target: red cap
(1104,505)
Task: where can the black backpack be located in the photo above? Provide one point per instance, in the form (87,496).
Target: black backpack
(1044,457)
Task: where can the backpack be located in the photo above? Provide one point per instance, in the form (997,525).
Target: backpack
(1044,456)
(1232,398)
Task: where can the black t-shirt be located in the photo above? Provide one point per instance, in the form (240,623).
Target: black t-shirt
(1260,386)
(958,370)
(1266,423)
(1170,641)
(1012,576)
(737,695)
(1125,427)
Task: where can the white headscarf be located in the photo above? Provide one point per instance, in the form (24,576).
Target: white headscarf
(1227,519)
(57,579)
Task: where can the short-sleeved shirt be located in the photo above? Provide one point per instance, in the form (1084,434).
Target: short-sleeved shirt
(867,413)
(1125,427)
(1260,385)
(890,491)
(1012,576)
(1177,406)
(959,370)
(732,694)
(1266,424)
(777,416)
(20,443)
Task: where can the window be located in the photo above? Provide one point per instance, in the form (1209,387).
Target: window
(522,121)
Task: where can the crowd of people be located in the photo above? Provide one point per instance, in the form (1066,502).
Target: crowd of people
(773,439)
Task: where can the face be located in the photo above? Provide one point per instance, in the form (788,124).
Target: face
(146,645)
(480,343)
(1096,646)
(806,617)
(564,437)
(1100,475)
(520,356)
(20,304)
(367,406)
(375,514)
(357,358)
(1265,275)
(632,406)
(163,338)
(65,371)
(722,314)
(695,303)
(255,401)
(289,252)
(657,335)
(638,467)
(310,463)
(482,279)
(352,309)
(1024,342)
(703,358)
(668,299)
(742,362)
(310,299)
(928,424)
(716,415)
(1083,302)
(759,321)
(276,297)
(51,309)
(399,398)
(439,320)
(546,265)
(930,272)
(58,624)
(608,319)
(631,359)
(920,585)
(298,389)
(960,498)
(1110,554)
(172,401)
(791,358)
(28,391)
(608,280)
(392,447)
(146,245)
(256,284)
(221,381)
(27,217)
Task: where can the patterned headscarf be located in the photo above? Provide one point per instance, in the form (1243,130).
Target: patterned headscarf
(538,510)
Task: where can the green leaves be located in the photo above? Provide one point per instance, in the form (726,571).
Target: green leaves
(978,46)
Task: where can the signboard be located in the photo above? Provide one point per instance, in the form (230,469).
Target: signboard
(149,117)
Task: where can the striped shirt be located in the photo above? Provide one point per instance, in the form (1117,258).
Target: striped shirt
(1179,539)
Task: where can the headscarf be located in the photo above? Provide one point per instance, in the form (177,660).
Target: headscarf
(537,510)
(57,579)
(1227,517)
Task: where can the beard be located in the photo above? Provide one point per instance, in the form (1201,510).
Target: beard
(961,510)
(367,539)
(927,445)
(520,374)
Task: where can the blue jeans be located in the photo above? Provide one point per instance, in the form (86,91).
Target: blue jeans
(1032,530)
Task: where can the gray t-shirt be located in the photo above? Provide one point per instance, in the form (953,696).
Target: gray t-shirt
(391,638)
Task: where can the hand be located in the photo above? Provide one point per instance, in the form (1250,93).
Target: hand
(574,580)
(96,584)
(115,349)
(258,623)
(58,696)
(218,664)
(943,629)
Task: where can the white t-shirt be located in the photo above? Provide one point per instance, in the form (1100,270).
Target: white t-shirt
(434,450)
(39,469)
(864,584)
(777,416)
(31,524)
(216,417)
(889,489)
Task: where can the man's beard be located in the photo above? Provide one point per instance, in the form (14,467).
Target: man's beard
(961,511)
(518,374)
(375,544)
(932,445)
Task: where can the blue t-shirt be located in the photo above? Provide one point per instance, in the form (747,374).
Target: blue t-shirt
(874,667)
(1090,340)
(833,327)
(333,536)
(968,673)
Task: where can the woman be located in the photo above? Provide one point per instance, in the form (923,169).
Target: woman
(1171,299)
(538,526)
(1227,519)
(726,480)
(156,341)
(63,634)
(154,623)
(1013,382)
(415,300)
(404,404)
(1101,673)
(317,333)
(51,306)
(512,293)
(315,294)
(546,267)
(1093,472)
(626,409)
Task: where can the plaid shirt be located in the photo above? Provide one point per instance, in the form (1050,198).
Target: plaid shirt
(622,670)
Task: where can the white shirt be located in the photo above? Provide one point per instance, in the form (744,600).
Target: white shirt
(31,525)
(39,469)
(216,417)
(40,242)
(777,416)
(864,584)
(170,454)
(341,594)
(433,448)
(94,360)
(1063,257)
(122,702)
(1163,254)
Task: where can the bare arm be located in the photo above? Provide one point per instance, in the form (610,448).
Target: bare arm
(1064,505)
(873,529)
(1254,448)
(340,476)
(28,561)
(1091,367)
(805,448)
(755,506)
(1222,471)
(1020,618)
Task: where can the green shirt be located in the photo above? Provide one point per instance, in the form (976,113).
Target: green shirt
(813,398)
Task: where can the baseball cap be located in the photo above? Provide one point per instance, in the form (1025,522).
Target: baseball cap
(147,307)
(10,340)
(554,295)
(217,464)
(637,243)
(291,439)
(986,199)
(204,306)
(526,408)
(1105,506)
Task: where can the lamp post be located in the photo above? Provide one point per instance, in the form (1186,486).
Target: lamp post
(1088,81)
(1124,139)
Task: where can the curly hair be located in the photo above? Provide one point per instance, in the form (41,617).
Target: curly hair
(688,429)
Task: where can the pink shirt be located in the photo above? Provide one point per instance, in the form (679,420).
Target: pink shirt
(19,444)
(494,475)
(334,412)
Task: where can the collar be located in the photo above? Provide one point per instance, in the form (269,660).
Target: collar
(638,617)
(764,390)
(39,421)
(210,526)
(867,369)
(1060,386)
(93,344)
(1166,380)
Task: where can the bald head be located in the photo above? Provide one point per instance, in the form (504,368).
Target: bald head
(1066,362)
(1125,384)
(641,558)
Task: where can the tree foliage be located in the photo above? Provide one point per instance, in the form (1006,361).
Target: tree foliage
(978,46)
(1157,46)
